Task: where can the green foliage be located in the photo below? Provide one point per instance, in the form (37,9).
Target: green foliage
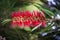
(48,28)
(27,29)
(6,21)
(46,10)
(25,8)
(16,34)
(7,4)
(36,27)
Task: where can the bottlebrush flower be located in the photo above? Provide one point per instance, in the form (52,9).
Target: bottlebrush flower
(38,18)
(14,14)
(27,19)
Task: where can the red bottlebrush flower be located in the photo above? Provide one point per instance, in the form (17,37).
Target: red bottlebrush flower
(13,24)
(15,19)
(15,14)
(27,23)
(38,16)
(23,19)
(43,23)
(19,24)
(35,23)
(28,14)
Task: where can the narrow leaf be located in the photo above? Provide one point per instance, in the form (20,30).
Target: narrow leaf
(6,21)
(36,26)
(47,28)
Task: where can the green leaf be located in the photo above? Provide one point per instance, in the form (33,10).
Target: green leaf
(6,21)
(27,29)
(47,28)
(47,11)
(30,8)
(36,27)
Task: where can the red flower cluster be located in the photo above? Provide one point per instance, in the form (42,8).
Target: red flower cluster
(27,19)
